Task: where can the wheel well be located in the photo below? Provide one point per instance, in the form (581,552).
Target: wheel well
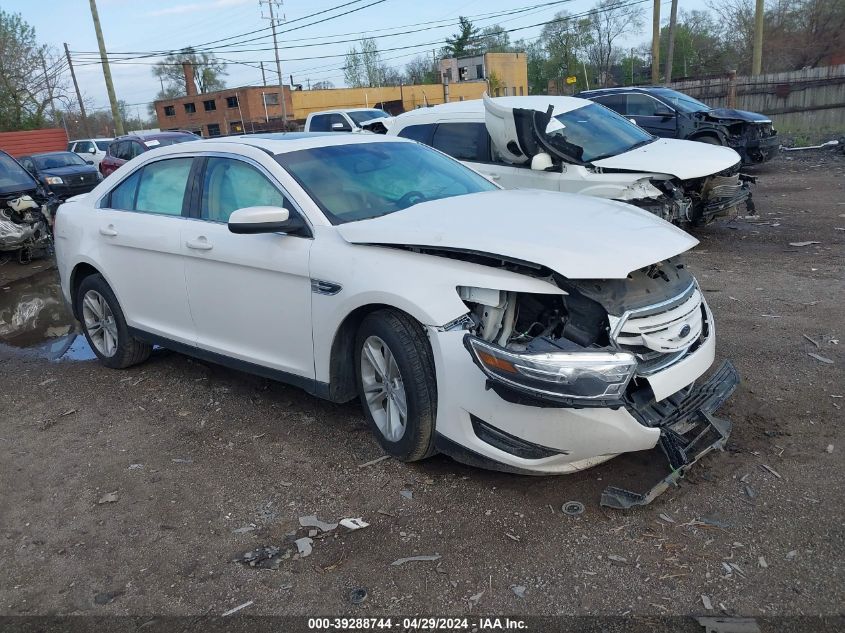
(342,387)
(708,134)
(80,272)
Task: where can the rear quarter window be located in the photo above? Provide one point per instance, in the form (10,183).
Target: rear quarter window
(421,133)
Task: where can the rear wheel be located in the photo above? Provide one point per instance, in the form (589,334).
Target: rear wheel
(105,326)
(396,383)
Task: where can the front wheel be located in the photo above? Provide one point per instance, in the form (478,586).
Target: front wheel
(396,383)
(105,326)
(710,140)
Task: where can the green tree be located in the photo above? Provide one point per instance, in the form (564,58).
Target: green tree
(364,67)
(494,39)
(25,88)
(208,73)
(421,70)
(465,41)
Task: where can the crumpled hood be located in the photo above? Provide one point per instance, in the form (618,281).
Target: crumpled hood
(738,115)
(682,159)
(577,236)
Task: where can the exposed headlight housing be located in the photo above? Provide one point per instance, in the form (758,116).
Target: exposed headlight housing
(585,378)
(54,180)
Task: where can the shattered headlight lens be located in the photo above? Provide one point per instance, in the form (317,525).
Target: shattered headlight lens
(54,180)
(560,375)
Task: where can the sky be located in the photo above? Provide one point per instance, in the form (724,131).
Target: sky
(133,26)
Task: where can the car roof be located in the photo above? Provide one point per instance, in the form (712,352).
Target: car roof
(345,110)
(623,89)
(152,135)
(47,154)
(476,106)
(104,138)
(283,142)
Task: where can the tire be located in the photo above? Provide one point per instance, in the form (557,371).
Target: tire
(112,343)
(710,140)
(394,334)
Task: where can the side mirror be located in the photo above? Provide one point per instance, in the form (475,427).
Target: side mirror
(90,162)
(252,220)
(341,127)
(93,150)
(634,121)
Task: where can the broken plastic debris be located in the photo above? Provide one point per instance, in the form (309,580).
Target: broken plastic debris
(182,460)
(304,545)
(829,448)
(771,470)
(354,524)
(265,557)
(820,358)
(407,494)
(812,340)
(312,521)
(518,590)
(245,529)
(807,243)
(791,554)
(666,518)
(617,558)
(705,600)
(237,608)
(761,561)
(109,497)
(475,598)
(411,559)
(721,624)
(373,462)
(135,467)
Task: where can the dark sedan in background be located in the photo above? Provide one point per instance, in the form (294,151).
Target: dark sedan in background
(64,174)
(672,114)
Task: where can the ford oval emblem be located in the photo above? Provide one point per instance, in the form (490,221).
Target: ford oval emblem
(684,331)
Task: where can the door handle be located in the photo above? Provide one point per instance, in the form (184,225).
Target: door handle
(108,231)
(199,244)
(494,176)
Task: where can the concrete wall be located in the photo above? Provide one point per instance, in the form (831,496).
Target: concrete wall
(33,141)
(808,101)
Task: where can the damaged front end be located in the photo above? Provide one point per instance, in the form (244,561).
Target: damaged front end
(612,343)
(25,225)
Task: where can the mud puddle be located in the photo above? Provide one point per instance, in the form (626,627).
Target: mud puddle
(34,320)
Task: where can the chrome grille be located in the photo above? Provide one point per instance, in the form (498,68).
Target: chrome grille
(662,334)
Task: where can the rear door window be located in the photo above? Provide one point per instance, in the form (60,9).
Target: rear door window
(641,105)
(156,188)
(464,141)
(421,133)
(614,102)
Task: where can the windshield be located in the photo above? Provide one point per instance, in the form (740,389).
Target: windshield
(594,132)
(13,177)
(366,180)
(367,115)
(680,101)
(103,145)
(57,161)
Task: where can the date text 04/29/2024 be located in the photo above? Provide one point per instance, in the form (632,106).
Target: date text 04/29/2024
(417,624)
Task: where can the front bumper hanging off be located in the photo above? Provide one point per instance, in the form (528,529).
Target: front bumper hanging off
(689,431)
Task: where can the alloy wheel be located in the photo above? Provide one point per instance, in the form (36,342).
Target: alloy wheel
(99,323)
(383,388)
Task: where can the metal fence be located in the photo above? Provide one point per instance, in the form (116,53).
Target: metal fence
(809,101)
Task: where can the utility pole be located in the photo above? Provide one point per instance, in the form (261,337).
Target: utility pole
(78,94)
(670,49)
(115,111)
(49,90)
(757,55)
(655,44)
(263,77)
(270,4)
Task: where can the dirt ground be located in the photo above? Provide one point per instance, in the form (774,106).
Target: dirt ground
(193,452)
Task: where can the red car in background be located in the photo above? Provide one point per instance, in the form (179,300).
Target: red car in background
(125,148)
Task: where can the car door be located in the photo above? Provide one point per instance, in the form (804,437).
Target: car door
(250,295)
(139,249)
(644,110)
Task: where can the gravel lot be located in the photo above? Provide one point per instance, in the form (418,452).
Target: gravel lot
(193,452)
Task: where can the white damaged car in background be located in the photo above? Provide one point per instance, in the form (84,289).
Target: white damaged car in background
(374,267)
(577,146)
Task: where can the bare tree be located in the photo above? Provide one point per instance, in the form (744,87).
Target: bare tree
(605,26)
(208,72)
(364,67)
(421,70)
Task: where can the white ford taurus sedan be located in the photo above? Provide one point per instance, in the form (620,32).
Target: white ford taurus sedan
(527,331)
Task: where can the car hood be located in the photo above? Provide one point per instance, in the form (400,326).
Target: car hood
(682,159)
(735,115)
(70,170)
(576,236)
